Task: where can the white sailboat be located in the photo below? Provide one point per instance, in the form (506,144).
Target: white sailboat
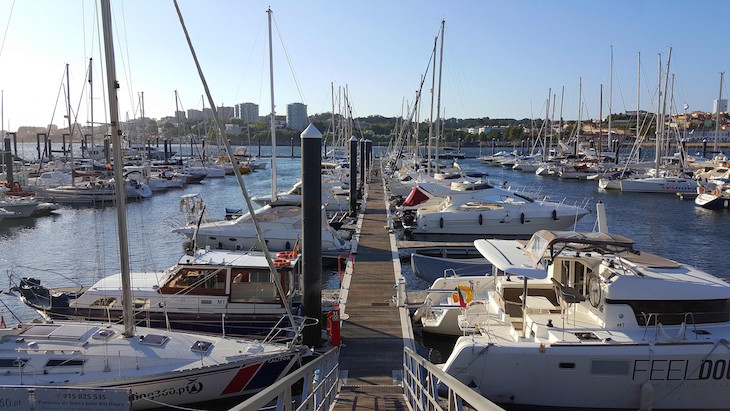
(158,367)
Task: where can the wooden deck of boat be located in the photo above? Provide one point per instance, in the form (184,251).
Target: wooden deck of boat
(371,357)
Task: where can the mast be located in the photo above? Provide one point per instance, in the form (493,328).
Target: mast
(658,145)
(177,118)
(430,125)
(610,105)
(560,131)
(580,111)
(638,102)
(91,97)
(118,179)
(273,114)
(334,147)
(600,124)
(547,120)
(664,100)
(438,100)
(70,127)
(717,116)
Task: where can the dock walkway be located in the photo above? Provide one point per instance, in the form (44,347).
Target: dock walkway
(371,357)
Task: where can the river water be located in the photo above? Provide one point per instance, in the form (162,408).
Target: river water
(79,244)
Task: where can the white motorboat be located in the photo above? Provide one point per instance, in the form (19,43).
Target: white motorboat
(716,198)
(594,323)
(4,213)
(232,292)
(19,207)
(281,225)
(487,212)
(664,185)
(430,268)
(50,179)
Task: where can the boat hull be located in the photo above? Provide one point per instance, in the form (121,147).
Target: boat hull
(712,202)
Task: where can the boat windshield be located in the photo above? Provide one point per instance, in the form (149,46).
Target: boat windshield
(549,244)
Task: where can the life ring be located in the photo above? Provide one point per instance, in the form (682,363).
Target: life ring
(283,255)
(281,262)
(715,192)
(467,294)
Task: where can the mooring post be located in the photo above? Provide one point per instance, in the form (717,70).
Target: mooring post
(353,176)
(311,140)
(8,161)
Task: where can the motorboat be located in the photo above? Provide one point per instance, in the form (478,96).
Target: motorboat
(586,321)
(50,179)
(716,198)
(280,225)
(19,207)
(4,213)
(482,213)
(334,197)
(218,291)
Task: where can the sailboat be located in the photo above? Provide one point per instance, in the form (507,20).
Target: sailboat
(158,367)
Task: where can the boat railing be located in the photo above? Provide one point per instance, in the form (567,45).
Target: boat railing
(658,328)
(319,381)
(424,381)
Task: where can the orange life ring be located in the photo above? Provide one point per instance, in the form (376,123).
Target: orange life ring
(715,192)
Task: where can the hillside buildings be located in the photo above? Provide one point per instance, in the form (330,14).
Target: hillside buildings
(296,116)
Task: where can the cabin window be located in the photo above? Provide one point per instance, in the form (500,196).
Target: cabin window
(579,278)
(104,302)
(13,362)
(259,277)
(200,278)
(674,312)
(605,367)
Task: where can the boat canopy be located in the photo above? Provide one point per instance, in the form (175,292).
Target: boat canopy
(509,257)
(551,243)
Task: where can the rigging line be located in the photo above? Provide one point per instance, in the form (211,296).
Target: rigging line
(288,60)
(130,91)
(83,25)
(248,62)
(7,26)
(103,72)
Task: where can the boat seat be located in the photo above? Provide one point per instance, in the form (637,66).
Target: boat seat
(566,294)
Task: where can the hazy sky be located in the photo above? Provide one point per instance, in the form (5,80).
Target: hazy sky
(500,57)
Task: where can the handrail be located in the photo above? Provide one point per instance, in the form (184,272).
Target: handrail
(423,380)
(320,385)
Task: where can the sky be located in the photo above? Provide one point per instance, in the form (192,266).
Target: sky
(500,58)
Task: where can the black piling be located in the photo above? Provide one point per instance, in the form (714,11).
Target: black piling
(312,232)
(353,176)
(704,148)
(149,149)
(38,144)
(291,144)
(362,167)
(617,148)
(494,146)
(15,144)
(107,149)
(164,142)
(49,148)
(522,147)
(63,144)
(8,161)
(260,147)
(368,153)
(85,146)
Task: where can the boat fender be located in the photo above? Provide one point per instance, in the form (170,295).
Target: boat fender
(281,262)
(522,218)
(715,192)
(480,219)
(555,215)
(646,397)
(441,222)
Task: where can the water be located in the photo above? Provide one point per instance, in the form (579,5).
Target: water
(80,243)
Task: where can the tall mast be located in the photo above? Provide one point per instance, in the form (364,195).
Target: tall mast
(610,100)
(433,89)
(600,124)
(91,98)
(664,100)
(560,131)
(273,114)
(177,118)
(121,200)
(438,100)
(717,116)
(638,100)
(580,110)
(545,126)
(658,145)
(334,147)
(70,127)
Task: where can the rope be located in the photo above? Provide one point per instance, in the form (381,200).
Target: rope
(7,26)
(288,60)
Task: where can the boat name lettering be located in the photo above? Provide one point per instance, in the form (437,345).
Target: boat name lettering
(192,387)
(279,359)
(679,370)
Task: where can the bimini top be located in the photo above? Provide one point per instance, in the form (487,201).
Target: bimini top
(546,243)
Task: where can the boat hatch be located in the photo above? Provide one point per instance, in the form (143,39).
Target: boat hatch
(60,362)
(66,331)
(587,336)
(103,334)
(13,362)
(201,346)
(153,339)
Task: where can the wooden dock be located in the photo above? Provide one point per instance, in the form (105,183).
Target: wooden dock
(371,357)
